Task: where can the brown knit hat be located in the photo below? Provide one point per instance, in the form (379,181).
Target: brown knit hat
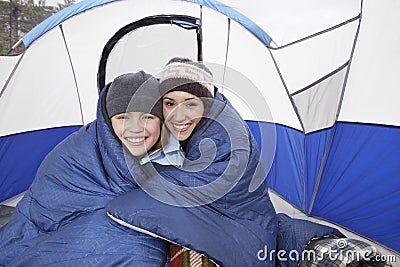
(182,74)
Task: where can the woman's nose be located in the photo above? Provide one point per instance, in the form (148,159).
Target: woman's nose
(179,113)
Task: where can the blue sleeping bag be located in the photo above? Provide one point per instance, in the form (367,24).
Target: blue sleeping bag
(61,220)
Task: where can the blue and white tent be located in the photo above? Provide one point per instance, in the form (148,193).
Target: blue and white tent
(326,81)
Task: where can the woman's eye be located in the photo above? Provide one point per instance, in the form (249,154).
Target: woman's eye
(168,103)
(191,104)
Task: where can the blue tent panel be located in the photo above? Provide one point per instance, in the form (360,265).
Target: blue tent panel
(360,182)
(21,155)
(285,175)
(316,142)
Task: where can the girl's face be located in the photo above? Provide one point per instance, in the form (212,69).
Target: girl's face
(138,131)
(182,112)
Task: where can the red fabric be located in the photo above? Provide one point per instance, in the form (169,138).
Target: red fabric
(182,257)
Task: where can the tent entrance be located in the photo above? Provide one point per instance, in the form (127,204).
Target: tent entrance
(148,44)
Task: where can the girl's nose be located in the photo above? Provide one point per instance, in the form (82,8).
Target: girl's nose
(134,126)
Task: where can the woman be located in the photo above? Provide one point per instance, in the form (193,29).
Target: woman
(61,219)
(189,108)
(206,205)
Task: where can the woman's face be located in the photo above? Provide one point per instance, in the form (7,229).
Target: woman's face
(138,131)
(182,112)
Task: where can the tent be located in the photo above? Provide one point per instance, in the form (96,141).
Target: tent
(315,80)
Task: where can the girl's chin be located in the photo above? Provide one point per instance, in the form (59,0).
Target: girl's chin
(137,151)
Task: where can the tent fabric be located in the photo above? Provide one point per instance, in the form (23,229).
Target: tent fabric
(79,7)
(129,48)
(289,149)
(371,92)
(238,17)
(41,107)
(30,148)
(315,153)
(364,183)
(58,18)
(335,190)
(7,66)
(241,12)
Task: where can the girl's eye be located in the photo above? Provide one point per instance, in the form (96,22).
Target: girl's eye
(121,117)
(148,117)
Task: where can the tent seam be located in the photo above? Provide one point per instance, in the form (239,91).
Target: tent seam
(321,79)
(327,149)
(11,74)
(317,33)
(73,73)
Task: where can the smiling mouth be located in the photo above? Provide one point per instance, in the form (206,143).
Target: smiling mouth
(135,141)
(180,128)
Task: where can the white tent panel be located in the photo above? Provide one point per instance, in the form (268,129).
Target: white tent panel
(90,28)
(7,64)
(318,105)
(239,103)
(251,59)
(305,62)
(27,103)
(372,93)
(287,21)
(215,37)
(214,45)
(150,48)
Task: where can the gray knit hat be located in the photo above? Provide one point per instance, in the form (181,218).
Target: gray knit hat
(134,92)
(183,74)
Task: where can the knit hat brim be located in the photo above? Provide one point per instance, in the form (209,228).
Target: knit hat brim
(130,104)
(186,85)
(187,77)
(134,92)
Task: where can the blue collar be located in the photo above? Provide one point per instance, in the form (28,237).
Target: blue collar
(171,154)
